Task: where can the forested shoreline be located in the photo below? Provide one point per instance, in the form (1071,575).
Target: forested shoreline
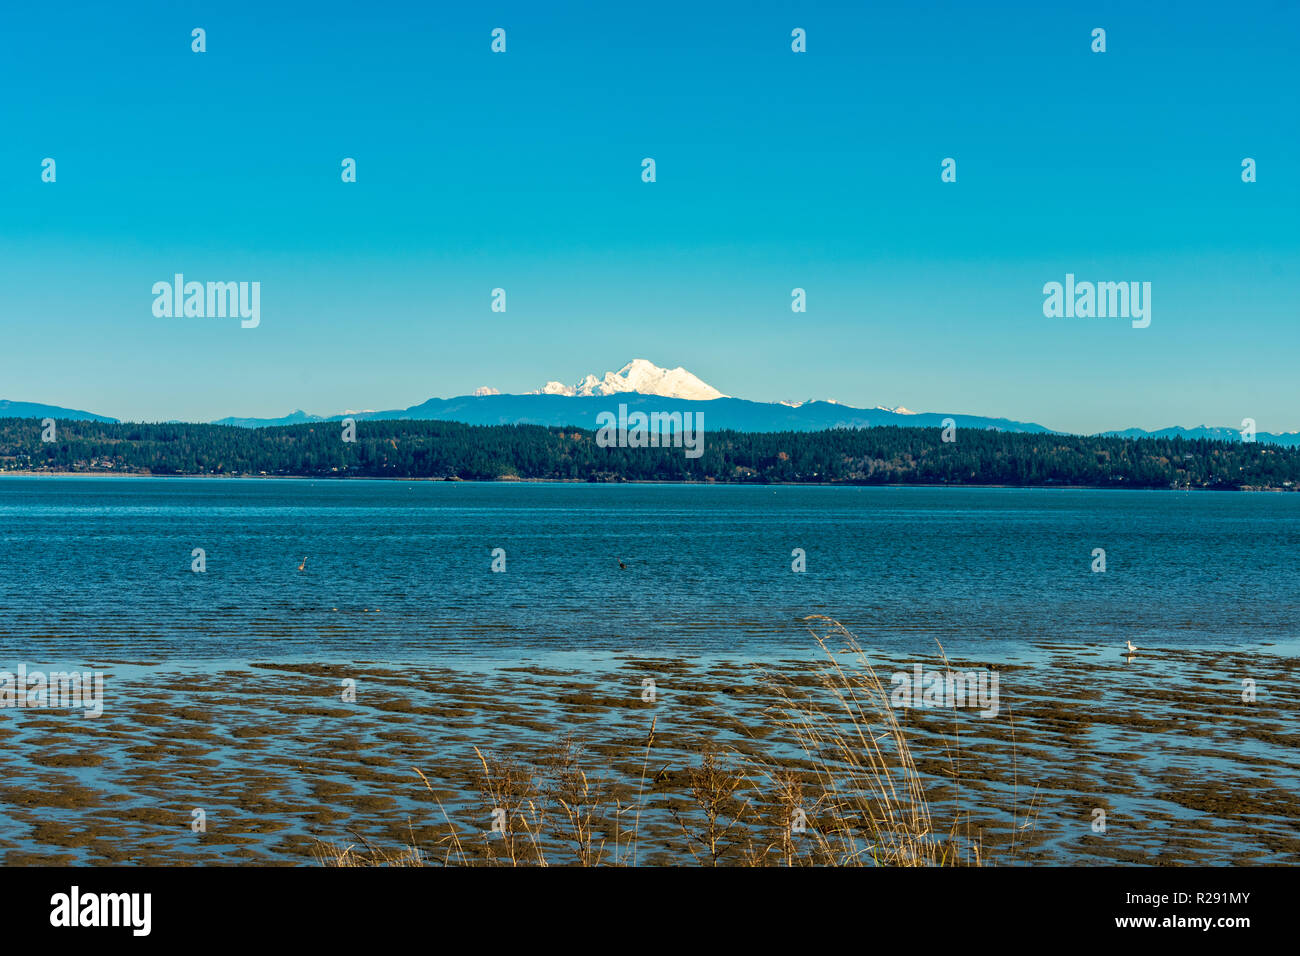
(452,451)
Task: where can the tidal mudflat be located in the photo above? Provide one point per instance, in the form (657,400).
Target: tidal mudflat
(1091,758)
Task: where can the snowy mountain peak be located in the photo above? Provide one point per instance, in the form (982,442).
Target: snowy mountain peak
(897,409)
(639,376)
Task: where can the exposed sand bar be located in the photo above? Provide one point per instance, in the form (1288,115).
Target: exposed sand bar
(1184,769)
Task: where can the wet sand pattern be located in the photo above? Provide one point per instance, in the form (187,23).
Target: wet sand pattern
(1185,771)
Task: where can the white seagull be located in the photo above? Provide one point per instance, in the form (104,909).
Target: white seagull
(1131,648)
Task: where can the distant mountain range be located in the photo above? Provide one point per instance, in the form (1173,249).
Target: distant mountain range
(719,413)
(10,409)
(644,386)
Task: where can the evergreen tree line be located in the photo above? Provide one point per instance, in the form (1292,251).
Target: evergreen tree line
(449,450)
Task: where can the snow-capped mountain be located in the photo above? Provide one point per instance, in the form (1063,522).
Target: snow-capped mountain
(807,401)
(642,377)
(646,387)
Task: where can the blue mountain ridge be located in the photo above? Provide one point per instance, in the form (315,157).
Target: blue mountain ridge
(10,409)
(581,412)
(735,414)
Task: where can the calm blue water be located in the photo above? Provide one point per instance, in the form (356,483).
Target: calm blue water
(400,570)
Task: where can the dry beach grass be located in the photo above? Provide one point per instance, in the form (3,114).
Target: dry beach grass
(853,796)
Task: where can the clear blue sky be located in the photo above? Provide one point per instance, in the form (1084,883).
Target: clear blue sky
(775,170)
